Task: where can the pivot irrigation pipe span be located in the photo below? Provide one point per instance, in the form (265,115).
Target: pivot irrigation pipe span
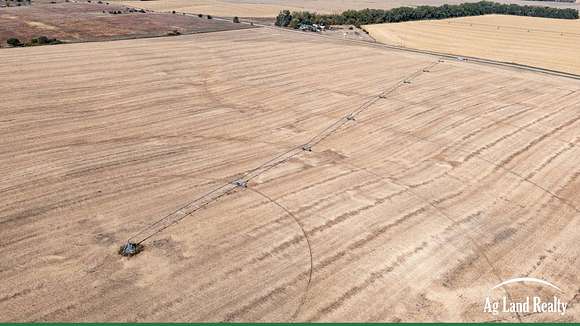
(135,241)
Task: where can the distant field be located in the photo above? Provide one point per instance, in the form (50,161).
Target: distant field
(269,8)
(217,8)
(78,22)
(547,43)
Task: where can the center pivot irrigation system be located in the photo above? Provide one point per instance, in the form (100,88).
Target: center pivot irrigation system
(134,244)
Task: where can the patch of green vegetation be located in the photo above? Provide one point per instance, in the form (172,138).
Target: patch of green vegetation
(42,40)
(14,42)
(403,14)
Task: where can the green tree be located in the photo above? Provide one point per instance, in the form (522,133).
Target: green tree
(284,18)
(43,40)
(403,14)
(14,42)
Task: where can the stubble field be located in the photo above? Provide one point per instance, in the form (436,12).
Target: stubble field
(464,177)
(543,42)
(271,8)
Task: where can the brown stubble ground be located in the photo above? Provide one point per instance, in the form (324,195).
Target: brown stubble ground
(83,21)
(465,177)
(540,42)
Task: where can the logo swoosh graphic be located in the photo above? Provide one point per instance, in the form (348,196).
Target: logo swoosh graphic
(527,279)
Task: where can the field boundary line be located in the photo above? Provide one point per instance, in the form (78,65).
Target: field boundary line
(449,56)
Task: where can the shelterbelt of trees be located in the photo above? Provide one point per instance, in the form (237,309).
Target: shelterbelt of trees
(403,14)
(568,1)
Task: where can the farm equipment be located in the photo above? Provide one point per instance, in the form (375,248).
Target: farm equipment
(130,249)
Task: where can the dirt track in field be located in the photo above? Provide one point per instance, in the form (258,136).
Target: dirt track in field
(541,42)
(463,178)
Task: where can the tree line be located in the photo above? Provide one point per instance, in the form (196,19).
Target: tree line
(568,1)
(403,14)
(42,40)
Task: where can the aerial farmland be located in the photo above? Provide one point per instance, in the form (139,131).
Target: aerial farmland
(271,175)
(543,42)
(270,8)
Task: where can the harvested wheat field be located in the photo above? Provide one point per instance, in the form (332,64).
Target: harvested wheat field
(543,42)
(213,7)
(440,189)
(271,8)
